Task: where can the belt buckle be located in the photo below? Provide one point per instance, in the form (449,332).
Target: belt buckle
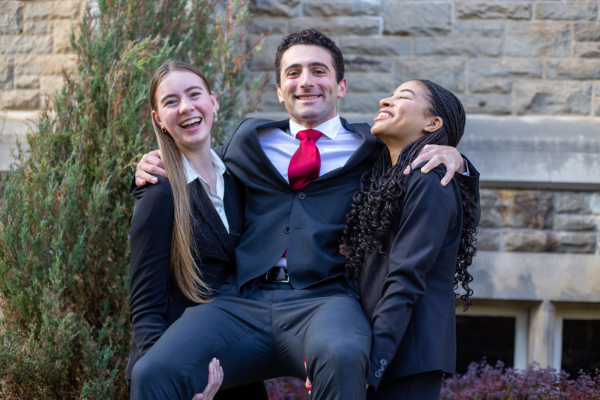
(286,280)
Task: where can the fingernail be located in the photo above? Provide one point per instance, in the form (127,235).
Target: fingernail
(406,171)
(424,170)
(444,182)
(154,180)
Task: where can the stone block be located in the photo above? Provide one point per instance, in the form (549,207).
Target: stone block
(374,46)
(572,10)
(368,64)
(493,104)
(7,68)
(62,37)
(459,47)
(25,44)
(571,203)
(276,8)
(332,8)
(337,26)
(446,71)
(527,209)
(488,239)
(19,100)
(553,98)
(45,64)
(11,17)
(505,68)
(529,241)
(586,50)
(48,10)
(574,222)
(478,28)
(499,10)
(417,18)
(573,69)
(264,60)
(277,27)
(538,39)
(587,32)
(487,85)
(570,242)
(27,82)
(365,82)
(594,203)
(491,209)
(270,103)
(597,99)
(50,84)
(364,103)
(37,27)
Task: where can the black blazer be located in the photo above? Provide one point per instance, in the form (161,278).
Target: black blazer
(407,291)
(156,300)
(308,223)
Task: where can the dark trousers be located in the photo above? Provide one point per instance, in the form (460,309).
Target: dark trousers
(425,386)
(262,337)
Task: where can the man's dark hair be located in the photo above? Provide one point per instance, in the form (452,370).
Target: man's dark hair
(312,37)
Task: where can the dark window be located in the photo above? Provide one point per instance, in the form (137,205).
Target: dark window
(489,337)
(580,345)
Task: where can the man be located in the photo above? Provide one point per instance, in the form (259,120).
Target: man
(290,298)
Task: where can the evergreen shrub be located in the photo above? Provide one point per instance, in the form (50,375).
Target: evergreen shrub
(64,220)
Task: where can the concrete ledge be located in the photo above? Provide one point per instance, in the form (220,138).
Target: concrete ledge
(536,276)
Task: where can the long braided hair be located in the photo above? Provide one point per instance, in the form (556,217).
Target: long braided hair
(373,205)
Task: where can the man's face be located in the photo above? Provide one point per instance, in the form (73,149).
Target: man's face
(308,87)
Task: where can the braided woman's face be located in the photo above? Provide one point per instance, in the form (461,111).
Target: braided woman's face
(404,117)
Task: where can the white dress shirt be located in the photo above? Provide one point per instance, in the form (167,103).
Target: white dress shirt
(215,198)
(336,145)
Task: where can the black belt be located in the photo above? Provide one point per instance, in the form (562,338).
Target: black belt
(276,275)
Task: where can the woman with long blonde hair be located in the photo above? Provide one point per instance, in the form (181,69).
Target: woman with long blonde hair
(184,228)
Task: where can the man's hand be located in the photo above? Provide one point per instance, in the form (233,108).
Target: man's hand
(151,164)
(437,155)
(215,379)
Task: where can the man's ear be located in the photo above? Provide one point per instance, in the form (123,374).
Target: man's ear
(342,87)
(279,95)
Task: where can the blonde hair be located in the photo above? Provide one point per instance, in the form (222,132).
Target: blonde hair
(183,246)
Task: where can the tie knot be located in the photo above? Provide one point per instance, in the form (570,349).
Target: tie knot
(309,133)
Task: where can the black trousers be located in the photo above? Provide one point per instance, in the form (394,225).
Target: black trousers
(425,386)
(260,337)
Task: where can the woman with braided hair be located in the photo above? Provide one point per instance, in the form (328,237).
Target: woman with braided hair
(409,242)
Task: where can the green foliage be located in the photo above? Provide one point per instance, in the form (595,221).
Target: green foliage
(64,222)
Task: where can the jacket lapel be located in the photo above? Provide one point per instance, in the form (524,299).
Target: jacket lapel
(209,217)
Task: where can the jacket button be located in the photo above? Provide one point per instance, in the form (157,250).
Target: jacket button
(301,195)
(383,362)
(378,374)
(286,229)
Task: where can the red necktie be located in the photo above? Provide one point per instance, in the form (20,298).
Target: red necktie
(306,161)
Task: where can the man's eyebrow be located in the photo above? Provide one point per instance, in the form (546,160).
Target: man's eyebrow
(408,90)
(312,64)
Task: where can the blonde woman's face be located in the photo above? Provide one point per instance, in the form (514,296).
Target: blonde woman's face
(185,108)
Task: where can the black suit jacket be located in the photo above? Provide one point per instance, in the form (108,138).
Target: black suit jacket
(307,223)
(407,291)
(156,300)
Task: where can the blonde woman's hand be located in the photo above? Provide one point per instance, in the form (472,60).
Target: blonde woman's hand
(215,379)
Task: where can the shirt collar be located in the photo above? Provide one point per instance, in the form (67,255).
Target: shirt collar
(191,174)
(329,128)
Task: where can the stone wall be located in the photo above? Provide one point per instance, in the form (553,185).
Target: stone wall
(501,57)
(34,51)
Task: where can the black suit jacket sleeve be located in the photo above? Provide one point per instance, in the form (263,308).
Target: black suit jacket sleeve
(151,228)
(428,212)
(471,181)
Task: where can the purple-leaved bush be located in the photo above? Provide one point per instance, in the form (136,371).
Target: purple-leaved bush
(484,382)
